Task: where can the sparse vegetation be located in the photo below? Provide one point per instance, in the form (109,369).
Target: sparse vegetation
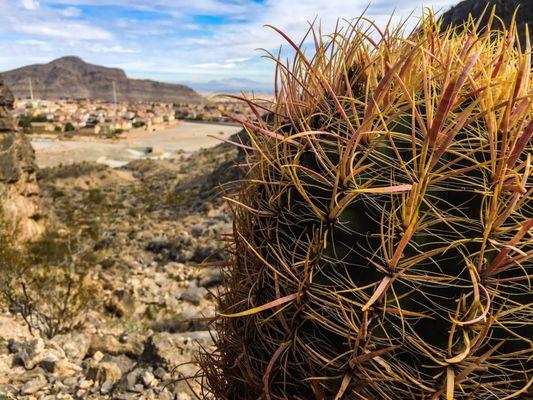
(25,121)
(45,281)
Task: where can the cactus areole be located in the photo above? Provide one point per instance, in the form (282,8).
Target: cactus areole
(383,234)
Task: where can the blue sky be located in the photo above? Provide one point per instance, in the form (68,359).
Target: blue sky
(173,40)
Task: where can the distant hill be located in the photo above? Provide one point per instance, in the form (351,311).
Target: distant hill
(71,77)
(504,9)
(232,86)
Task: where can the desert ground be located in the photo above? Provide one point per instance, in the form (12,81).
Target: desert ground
(186,137)
(153,223)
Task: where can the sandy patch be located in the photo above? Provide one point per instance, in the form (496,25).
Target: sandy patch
(138,144)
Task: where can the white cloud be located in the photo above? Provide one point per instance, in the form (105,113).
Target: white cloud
(215,66)
(50,23)
(30,4)
(41,44)
(237,42)
(71,12)
(117,49)
(176,45)
(293,18)
(64,30)
(174,7)
(238,60)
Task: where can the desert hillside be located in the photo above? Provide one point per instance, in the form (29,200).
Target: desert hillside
(505,10)
(143,232)
(71,77)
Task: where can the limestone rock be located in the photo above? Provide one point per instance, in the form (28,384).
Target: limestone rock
(194,294)
(109,344)
(19,190)
(170,350)
(34,385)
(105,372)
(85,384)
(123,362)
(6,362)
(55,362)
(74,344)
(148,378)
(27,353)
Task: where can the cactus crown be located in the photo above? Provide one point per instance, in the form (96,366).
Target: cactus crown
(383,234)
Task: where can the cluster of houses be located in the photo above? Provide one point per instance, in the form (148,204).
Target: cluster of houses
(216,111)
(93,116)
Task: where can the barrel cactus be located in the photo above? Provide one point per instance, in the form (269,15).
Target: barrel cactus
(383,235)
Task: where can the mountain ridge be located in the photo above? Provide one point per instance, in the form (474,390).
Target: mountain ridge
(73,78)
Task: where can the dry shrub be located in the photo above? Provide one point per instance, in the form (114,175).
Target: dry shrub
(46,282)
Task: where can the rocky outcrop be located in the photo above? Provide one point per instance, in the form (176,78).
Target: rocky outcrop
(20,196)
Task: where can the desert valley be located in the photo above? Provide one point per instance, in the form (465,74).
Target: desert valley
(145,211)
(136,184)
(116,231)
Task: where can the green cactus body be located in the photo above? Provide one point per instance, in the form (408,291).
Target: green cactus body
(383,235)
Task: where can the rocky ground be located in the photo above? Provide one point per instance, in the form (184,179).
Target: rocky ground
(153,224)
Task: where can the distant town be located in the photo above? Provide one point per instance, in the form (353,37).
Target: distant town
(110,119)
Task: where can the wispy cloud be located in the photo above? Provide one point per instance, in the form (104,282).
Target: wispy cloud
(117,49)
(174,40)
(30,4)
(215,66)
(64,31)
(71,12)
